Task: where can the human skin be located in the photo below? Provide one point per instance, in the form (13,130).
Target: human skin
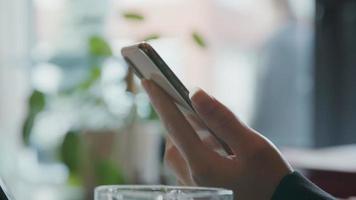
(253,171)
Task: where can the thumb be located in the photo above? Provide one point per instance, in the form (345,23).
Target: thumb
(220,119)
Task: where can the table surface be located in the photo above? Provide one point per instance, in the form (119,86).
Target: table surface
(338,159)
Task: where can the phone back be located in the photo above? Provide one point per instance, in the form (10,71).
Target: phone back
(148,65)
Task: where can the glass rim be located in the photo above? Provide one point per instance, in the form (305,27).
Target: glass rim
(163,189)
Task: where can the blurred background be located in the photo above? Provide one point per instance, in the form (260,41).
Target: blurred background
(72,116)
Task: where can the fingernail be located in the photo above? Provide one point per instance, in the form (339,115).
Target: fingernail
(201,100)
(193,91)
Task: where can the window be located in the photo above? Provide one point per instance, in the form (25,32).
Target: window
(253,55)
(257,60)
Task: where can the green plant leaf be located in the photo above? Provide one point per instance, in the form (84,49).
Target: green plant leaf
(199,40)
(108,173)
(75,180)
(36,104)
(94,75)
(27,128)
(99,47)
(153,114)
(151,37)
(133,16)
(70,151)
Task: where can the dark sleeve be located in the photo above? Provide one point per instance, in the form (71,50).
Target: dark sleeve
(296,187)
(2,194)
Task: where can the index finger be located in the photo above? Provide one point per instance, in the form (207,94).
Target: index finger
(181,132)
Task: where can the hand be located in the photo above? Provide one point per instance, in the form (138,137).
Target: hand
(253,172)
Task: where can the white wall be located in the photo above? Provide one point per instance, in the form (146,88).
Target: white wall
(14,82)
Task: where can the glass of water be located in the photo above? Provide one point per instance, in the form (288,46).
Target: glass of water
(160,192)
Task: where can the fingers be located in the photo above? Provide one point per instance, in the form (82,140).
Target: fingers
(196,123)
(206,175)
(181,132)
(212,143)
(177,163)
(220,119)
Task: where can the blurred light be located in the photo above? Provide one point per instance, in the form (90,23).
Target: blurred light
(113,88)
(303,8)
(239,3)
(49,4)
(46,77)
(236,69)
(45,194)
(143,105)
(34,172)
(112,71)
(118,100)
(49,129)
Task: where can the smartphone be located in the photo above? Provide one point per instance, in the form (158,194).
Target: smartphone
(147,64)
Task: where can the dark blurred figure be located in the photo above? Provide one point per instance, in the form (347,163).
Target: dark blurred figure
(284,91)
(335,72)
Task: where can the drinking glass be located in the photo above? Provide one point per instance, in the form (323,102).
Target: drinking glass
(160,192)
